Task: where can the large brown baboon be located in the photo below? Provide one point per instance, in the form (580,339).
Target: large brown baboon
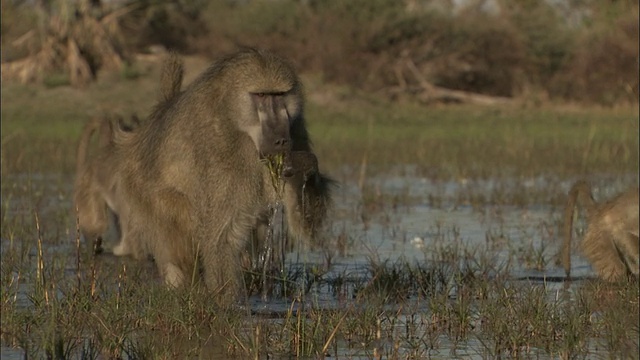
(611,239)
(96,195)
(194,173)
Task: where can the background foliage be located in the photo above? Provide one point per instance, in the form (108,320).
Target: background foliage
(578,51)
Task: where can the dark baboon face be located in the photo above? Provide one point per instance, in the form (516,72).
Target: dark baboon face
(273,136)
(264,97)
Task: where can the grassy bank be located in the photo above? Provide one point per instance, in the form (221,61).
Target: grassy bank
(349,127)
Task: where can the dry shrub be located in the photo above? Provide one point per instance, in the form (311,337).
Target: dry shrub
(381,46)
(16,28)
(475,54)
(492,61)
(73,41)
(604,66)
(374,45)
(175,25)
(327,37)
(367,43)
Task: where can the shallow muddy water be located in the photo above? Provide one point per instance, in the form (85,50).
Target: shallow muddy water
(400,223)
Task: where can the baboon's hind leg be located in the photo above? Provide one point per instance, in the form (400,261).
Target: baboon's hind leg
(221,252)
(629,250)
(171,238)
(222,271)
(603,254)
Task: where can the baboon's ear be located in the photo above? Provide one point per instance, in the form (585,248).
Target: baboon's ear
(121,123)
(304,162)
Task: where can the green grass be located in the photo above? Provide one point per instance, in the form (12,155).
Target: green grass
(458,141)
(471,140)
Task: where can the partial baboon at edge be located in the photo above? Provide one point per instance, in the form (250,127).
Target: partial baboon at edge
(96,196)
(194,174)
(611,240)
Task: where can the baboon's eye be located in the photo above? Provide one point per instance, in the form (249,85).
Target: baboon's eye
(274,94)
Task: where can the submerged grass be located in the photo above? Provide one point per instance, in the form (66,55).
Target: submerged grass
(115,308)
(59,300)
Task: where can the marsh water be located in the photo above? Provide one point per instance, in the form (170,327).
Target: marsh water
(390,220)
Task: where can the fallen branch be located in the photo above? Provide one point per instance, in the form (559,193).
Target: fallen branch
(429,93)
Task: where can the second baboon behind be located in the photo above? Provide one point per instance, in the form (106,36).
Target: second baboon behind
(195,175)
(90,204)
(611,242)
(96,197)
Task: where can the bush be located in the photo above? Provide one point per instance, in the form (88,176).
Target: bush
(589,53)
(173,24)
(603,67)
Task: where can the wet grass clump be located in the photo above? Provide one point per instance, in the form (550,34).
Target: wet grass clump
(67,304)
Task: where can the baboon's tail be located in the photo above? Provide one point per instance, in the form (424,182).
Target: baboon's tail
(582,190)
(567,232)
(83,144)
(171,77)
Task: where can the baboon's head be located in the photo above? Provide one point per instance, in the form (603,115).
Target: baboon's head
(268,99)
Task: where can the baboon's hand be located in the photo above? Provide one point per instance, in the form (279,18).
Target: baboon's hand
(300,163)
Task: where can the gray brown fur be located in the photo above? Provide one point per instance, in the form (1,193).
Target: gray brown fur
(96,198)
(306,198)
(171,77)
(611,240)
(96,195)
(93,215)
(193,173)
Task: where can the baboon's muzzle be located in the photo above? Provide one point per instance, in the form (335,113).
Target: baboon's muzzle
(274,122)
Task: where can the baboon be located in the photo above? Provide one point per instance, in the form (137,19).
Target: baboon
(305,206)
(303,165)
(611,239)
(194,174)
(304,210)
(93,216)
(96,198)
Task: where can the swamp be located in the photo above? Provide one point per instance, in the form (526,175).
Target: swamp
(441,242)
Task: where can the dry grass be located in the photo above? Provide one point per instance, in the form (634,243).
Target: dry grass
(73,43)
